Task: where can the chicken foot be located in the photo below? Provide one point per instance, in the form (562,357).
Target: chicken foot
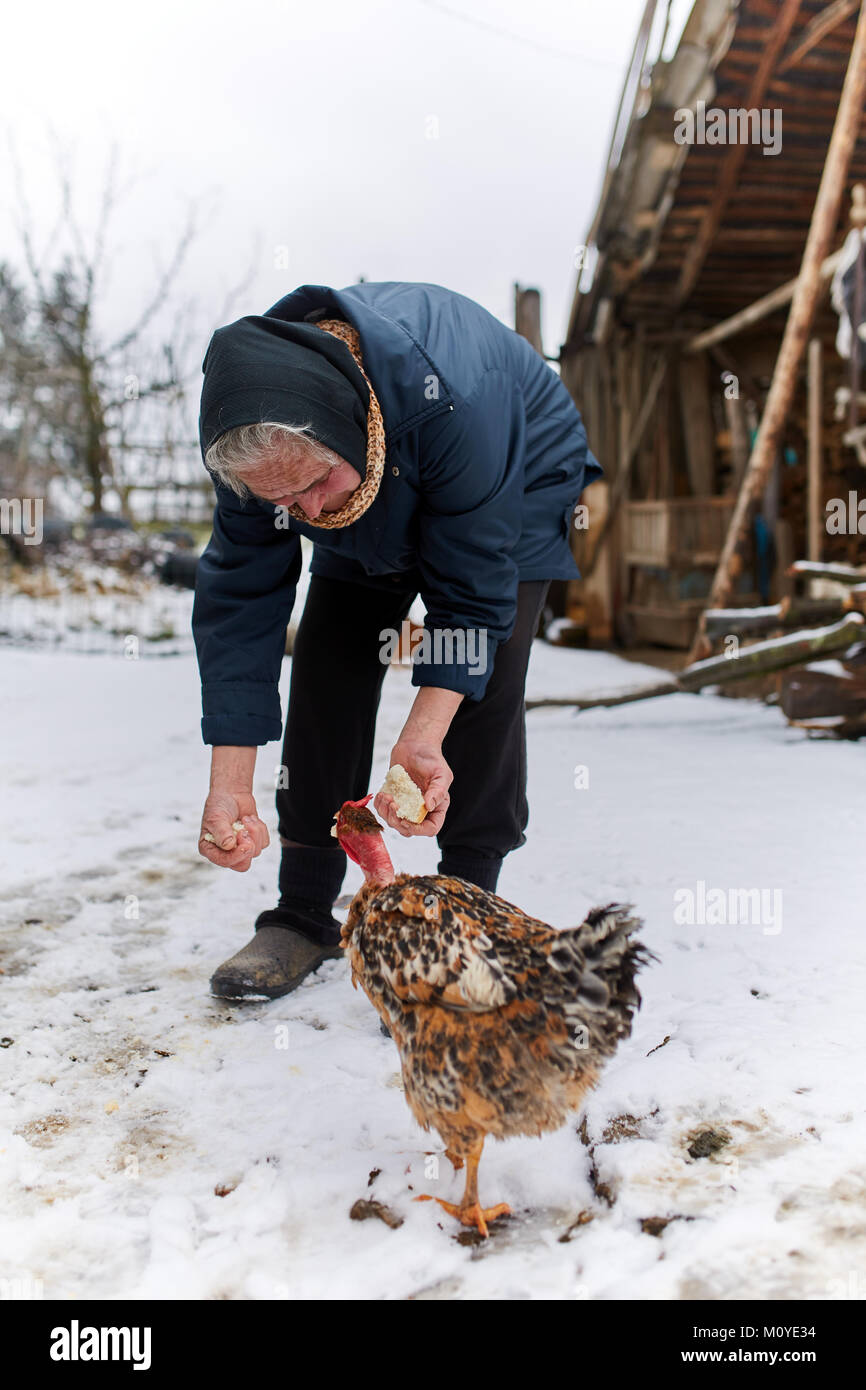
(469,1212)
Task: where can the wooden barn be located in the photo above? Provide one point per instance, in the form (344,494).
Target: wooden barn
(702,343)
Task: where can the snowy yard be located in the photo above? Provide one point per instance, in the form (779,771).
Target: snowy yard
(157,1143)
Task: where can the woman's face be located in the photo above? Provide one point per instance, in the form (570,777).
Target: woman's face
(296,479)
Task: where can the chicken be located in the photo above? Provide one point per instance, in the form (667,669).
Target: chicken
(501,1022)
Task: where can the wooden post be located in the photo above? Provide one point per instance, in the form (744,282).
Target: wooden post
(824,217)
(620,485)
(624,470)
(697,418)
(814,493)
(643,462)
(736,421)
(527,316)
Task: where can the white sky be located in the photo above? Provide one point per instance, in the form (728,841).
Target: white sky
(306,126)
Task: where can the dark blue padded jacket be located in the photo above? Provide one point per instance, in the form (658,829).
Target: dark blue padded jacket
(486,459)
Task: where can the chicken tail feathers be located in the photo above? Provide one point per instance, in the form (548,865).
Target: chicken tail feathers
(606,993)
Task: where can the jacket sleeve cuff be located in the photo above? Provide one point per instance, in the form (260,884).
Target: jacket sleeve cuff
(457,659)
(242,714)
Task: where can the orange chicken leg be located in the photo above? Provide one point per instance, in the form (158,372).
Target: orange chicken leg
(470,1212)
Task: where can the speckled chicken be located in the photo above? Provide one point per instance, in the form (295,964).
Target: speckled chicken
(502,1023)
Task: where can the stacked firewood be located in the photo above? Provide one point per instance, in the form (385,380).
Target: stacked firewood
(814,646)
(830,702)
(826,692)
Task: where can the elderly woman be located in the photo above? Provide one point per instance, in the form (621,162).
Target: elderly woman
(425,449)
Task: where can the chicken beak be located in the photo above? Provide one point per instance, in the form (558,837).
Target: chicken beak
(334,829)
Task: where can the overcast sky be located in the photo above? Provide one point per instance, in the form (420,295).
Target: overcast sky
(326,139)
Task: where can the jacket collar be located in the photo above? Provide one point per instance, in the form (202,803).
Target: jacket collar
(409,386)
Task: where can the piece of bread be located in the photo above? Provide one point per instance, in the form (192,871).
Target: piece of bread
(407,797)
(237,825)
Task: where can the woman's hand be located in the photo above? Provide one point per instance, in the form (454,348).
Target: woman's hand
(231,849)
(425,764)
(419,751)
(229,801)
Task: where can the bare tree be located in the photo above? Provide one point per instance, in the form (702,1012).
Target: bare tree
(76,407)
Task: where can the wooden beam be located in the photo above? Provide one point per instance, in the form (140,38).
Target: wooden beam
(798,325)
(733,161)
(823,23)
(815,523)
(753,313)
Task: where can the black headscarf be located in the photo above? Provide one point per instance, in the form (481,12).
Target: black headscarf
(264,369)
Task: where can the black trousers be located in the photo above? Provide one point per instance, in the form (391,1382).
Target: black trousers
(336,685)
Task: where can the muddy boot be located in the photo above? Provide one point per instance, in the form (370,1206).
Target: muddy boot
(289,944)
(293,938)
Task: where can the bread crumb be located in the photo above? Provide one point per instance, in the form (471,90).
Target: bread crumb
(236,826)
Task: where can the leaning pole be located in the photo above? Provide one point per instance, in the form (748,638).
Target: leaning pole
(809,285)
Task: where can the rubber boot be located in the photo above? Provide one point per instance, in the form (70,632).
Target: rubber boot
(280,955)
(294,938)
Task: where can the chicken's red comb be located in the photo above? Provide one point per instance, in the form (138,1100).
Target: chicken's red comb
(362,802)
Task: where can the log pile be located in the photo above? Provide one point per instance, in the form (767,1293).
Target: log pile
(795,634)
(827,702)
(831,703)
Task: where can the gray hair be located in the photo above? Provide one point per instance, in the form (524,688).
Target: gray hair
(247,446)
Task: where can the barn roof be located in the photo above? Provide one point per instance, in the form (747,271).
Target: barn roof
(691,233)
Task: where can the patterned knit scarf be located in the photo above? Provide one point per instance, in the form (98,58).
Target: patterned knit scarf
(363,495)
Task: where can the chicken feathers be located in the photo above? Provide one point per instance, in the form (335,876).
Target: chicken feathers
(501,1022)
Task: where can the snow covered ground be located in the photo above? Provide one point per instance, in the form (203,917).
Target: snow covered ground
(157,1143)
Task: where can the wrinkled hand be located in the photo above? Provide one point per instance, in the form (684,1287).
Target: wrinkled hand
(429,771)
(232,849)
